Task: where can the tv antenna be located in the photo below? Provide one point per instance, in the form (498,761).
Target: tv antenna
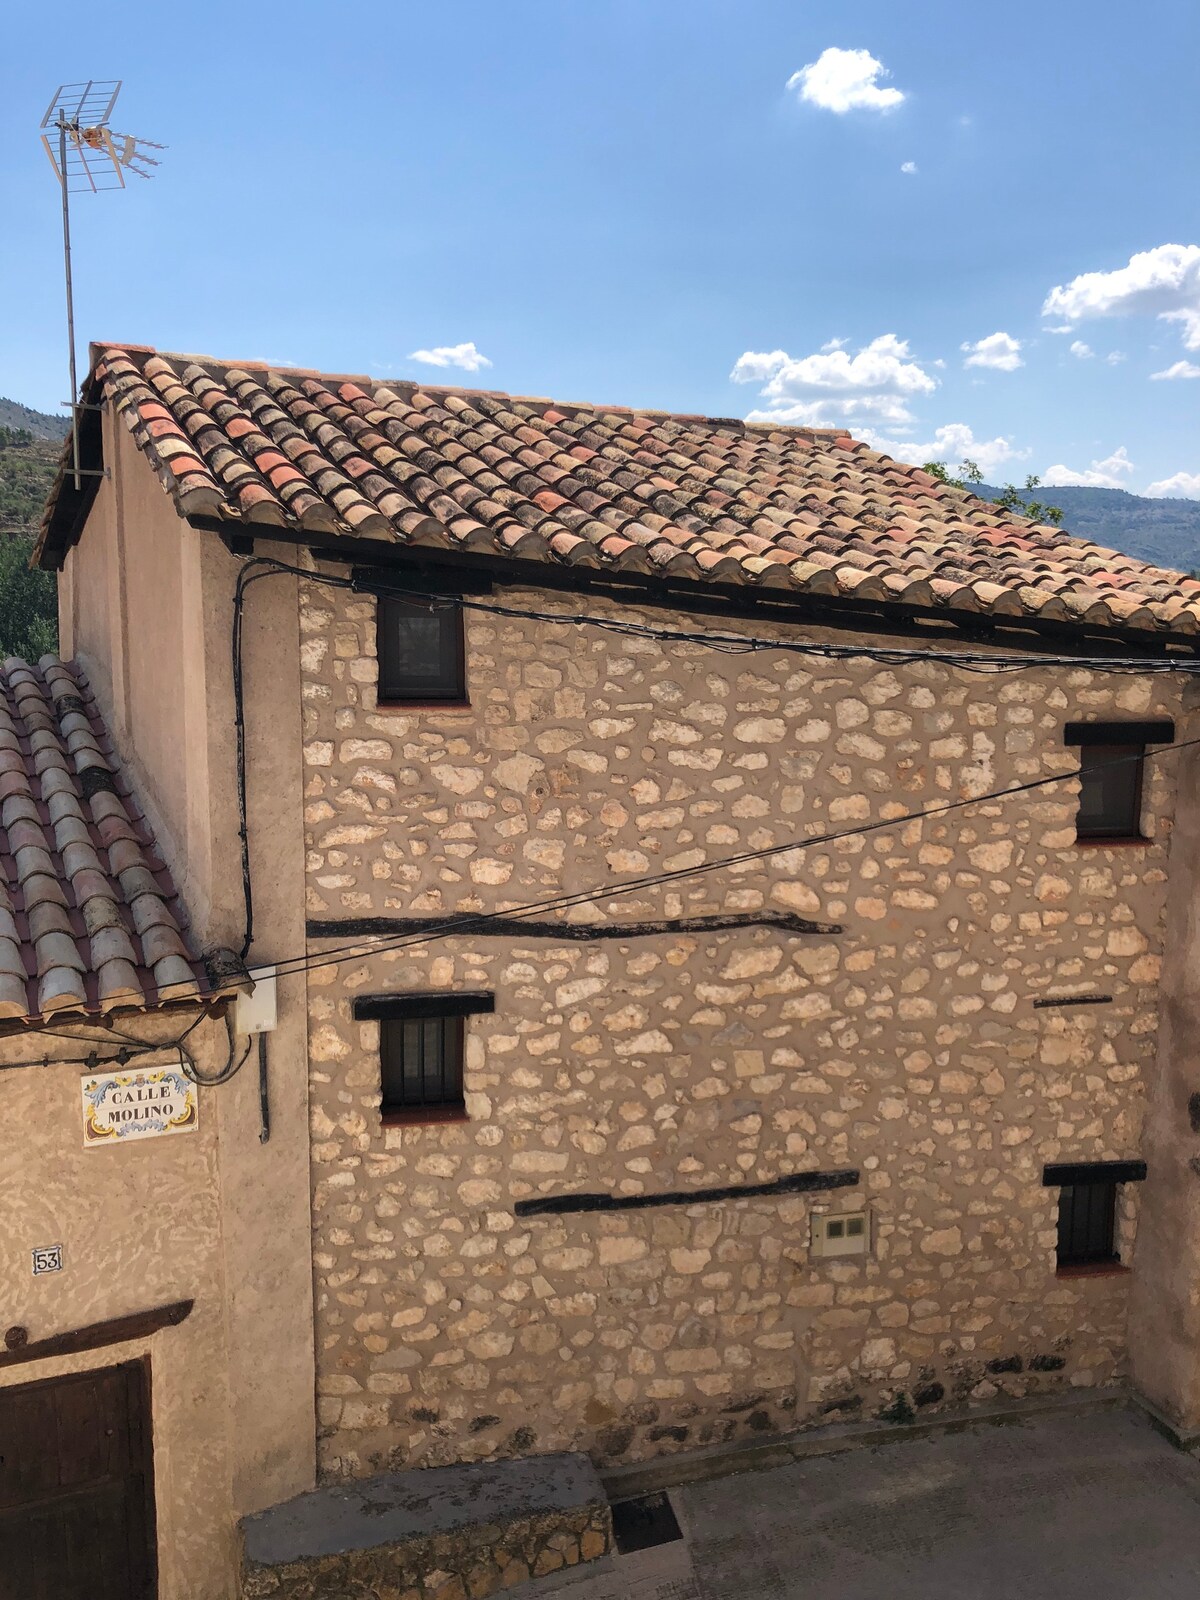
(88,157)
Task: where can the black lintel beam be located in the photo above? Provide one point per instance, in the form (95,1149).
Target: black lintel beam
(1071,1172)
(499,925)
(795,1183)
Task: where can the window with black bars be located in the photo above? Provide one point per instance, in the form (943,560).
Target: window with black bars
(421,1063)
(1087,1224)
(421,1049)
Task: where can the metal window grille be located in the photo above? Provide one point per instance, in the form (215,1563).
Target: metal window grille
(421,651)
(1086,1223)
(421,1062)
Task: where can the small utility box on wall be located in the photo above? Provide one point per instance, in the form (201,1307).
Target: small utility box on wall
(847,1234)
(256,1012)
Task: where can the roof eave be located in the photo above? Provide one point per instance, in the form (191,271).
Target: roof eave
(779,602)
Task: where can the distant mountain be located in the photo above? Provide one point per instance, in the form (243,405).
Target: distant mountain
(1165,532)
(29,445)
(39,423)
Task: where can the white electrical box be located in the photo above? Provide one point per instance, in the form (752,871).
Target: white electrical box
(255,1012)
(846,1235)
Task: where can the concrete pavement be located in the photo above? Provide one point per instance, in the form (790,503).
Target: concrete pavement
(1092,1506)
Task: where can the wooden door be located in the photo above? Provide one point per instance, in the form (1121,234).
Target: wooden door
(77,1488)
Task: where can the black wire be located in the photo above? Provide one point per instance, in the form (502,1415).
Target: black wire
(749,644)
(732,643)
(228,1071)
(263,566)
(137,1046)
(446,930)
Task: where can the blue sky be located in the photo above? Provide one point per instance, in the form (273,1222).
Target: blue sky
(858,212)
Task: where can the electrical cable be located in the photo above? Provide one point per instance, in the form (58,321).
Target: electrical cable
(258,567)
(228,1071)
(739,644)
(733,644)
(730,643)
(358,949)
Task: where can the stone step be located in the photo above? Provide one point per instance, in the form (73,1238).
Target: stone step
(437,1533)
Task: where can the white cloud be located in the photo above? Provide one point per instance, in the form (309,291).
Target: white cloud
(833,386)
(953,443)
(1081,351)
(1100,475)
(835,344)
(452,355)
(1178,369)
(1185,485)
(1060,327)
(908,166)
(1115,357)
(999,350)
(845,80)
(1163,282)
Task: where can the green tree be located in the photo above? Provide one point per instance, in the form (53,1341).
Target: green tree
(1010,497)
(28,602)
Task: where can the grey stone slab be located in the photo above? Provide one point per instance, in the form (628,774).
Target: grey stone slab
(397,1506)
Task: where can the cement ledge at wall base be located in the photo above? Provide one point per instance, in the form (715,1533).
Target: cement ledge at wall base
(760,1455)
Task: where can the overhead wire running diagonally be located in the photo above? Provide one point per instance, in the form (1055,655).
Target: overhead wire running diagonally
(259,567)
(357,949)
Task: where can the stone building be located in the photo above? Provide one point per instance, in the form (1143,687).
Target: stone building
(718,879)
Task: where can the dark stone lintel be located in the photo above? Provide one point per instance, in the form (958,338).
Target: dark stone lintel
(1049,1002)
(795,1183)
(1071,1172)
(1160,731)
(502,925)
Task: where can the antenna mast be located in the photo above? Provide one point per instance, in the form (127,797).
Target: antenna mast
(87,156)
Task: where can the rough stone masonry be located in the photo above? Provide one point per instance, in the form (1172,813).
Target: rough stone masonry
(907,1046)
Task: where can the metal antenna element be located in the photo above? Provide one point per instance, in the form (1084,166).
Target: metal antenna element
(88,157)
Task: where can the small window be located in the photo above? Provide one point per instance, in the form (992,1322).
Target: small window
(420,1062)
(421,651)
(1086,1224)
(1110,792)
(421,1050)
(1111,762)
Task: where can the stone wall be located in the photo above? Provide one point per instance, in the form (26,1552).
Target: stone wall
(906,1046)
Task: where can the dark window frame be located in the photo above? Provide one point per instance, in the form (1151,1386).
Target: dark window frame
(1087,1213)
(410,1025)
(1087,1225)
(1111,777)
(448,686)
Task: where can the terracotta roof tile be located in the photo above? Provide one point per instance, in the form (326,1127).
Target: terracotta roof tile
(802,510)
(90,921)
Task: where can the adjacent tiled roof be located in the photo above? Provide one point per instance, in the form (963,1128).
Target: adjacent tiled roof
(89,919)
(809,511)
